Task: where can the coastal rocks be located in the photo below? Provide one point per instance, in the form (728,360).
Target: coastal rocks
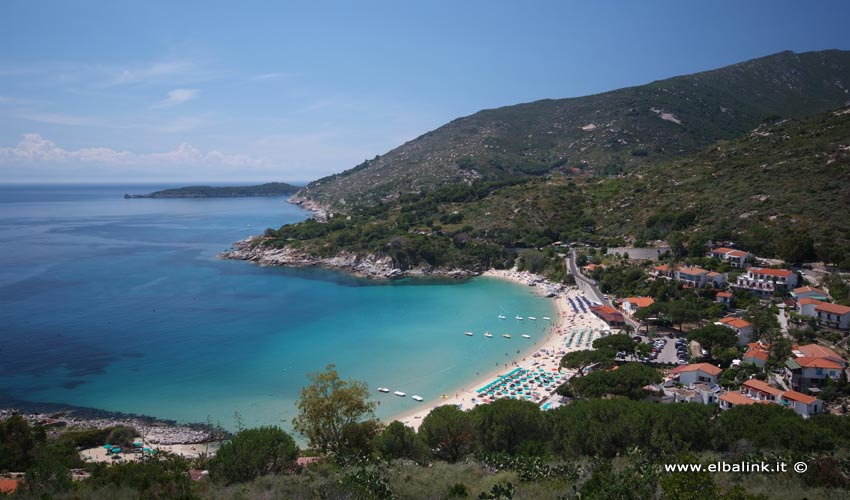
(320,212)
(367,266)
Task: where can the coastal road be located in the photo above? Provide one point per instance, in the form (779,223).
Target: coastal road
(589,287)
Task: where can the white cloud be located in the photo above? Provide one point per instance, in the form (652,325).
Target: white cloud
(58,118)
(176,97)
(35,149)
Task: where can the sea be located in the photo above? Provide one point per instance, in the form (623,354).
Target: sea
(122,305)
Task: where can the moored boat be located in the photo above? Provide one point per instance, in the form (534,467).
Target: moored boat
(383,389)
(526,336)
(399,394)
(507,335)
(488,335)
(468,334)
(501,316)
(518,317)
(532,318)
(416,398)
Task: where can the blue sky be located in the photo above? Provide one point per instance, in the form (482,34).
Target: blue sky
(257,91)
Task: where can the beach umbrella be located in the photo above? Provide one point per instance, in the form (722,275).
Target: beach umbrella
(108,446)
(116,449)
(137,444)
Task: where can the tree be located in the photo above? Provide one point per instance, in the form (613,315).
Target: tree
(17,444)
(713,337)
(448,431)
(400,441)
(510,426)
(327,406)
(765,323)
(628,380)
(253,453)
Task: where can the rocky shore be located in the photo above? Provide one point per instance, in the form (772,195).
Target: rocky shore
(154,431)
(367,266)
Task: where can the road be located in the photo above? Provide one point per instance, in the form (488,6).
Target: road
(589,287)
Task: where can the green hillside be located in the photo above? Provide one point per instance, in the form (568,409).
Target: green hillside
(603,134)
(782,189)
(268,189)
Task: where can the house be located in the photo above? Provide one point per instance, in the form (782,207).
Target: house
(735,258)
(803,373)
(693,276)
(724,298)
(699,372)
(663,271)
(806,307)
(760,391)
(705,394)
(743,329)
(592,267)
(807,292)
(715,279)
(833,315)
(803,404)
(817,351)
(764,281)
(609,315)
(8,486)
(756,354)
(732,399)
(632,304)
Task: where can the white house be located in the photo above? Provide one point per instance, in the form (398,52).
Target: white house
(632,304)
(743,329)
(760,391)
(807,292)
(827,314)
(705,373)
(736,258)
(764,281)
(803,404)
(732,399)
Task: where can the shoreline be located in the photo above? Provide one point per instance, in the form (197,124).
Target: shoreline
(546,355)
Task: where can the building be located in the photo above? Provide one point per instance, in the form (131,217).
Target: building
(700,372)
(764,281)
(732,399)
(8,486)
(803,404)
(705,394)
(609,315)
(724,298)
(833,315)
(715,279)
(806,307)
(693,276)
(807,292)
(735,258)
(632,304)
(757,354)
(804,373)
(817,351)
(592,267)
(760,391)
(743,329)
(663,271)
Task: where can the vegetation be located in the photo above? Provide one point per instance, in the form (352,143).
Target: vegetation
(268,189)
(252,453)
(331,412)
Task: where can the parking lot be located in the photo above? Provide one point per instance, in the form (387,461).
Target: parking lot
(667,349)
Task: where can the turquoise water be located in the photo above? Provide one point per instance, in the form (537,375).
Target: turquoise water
(122,305)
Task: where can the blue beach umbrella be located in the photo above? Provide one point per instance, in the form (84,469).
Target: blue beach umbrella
(108,446)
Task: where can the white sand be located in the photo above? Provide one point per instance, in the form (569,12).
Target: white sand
(129,455)
(551,351)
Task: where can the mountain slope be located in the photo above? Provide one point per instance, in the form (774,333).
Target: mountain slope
(605,134)
(780,190)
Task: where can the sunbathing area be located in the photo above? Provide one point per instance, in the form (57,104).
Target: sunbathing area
(520,383)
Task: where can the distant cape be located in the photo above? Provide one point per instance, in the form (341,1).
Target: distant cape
(269,189)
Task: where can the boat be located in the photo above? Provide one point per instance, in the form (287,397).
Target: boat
(532,318)
(526,336)
(416,398)
(383,389)
(501,316)
(547,318)
(518,317)
(468,334)
(399,394)
(488,335)
(507,335)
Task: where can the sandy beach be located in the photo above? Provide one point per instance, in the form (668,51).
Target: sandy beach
(543,358)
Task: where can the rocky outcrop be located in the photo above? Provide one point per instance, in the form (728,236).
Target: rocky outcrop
(373,266)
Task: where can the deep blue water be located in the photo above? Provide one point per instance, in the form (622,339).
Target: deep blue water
(122,305)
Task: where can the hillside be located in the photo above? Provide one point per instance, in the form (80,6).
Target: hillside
(782,189)
(268,189)
(601,134)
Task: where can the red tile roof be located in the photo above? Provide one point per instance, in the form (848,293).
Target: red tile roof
(816,351)
(692,270)
(8,485)
(757,353)
(736,398)
(704,367)
(724,294)
(832,308)
(782,273)
(736,322)
(800,397)
(805,289)
(640,301)
(807,301)
(807,362)
(762,386)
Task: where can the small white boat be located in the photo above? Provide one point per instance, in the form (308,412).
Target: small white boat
(399,394)
(532,318)
(416,398)
(507,335)
(383,389)
(526,336)
(488,335)
(468,334)
(547,318)
(501,316)
(518,317)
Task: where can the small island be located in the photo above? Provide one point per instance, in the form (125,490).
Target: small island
(268,189)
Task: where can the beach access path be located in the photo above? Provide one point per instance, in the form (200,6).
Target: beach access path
(548,359)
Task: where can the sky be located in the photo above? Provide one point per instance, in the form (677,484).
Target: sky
(164,91)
